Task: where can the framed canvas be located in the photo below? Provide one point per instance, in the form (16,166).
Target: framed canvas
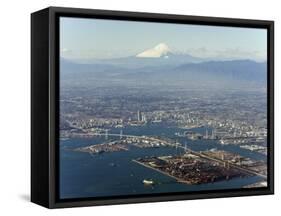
(138,107)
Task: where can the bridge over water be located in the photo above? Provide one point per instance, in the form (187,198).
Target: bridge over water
(179,145)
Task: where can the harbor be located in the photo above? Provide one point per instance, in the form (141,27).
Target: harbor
(188,167)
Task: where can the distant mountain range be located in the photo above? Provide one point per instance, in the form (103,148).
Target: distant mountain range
(138,62)
(236,70)
(160,65)
(158,55)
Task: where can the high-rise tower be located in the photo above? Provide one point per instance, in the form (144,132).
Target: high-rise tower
(139,116)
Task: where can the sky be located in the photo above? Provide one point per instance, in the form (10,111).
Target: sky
(82,38)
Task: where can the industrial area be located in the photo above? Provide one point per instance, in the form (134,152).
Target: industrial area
(189,167)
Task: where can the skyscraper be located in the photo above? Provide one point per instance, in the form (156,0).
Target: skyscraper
(139,115)
(143,118)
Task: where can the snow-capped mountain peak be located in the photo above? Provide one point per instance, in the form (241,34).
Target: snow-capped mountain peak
(160,50)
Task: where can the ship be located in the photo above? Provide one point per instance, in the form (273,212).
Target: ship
(148,182)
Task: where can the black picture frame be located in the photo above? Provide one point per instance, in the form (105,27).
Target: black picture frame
(45,106)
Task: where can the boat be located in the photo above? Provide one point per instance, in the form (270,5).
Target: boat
(148,182)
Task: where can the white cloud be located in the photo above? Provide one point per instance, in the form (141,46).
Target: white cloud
(235,53)
(162,50)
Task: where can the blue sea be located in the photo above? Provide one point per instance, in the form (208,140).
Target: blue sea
(115,174)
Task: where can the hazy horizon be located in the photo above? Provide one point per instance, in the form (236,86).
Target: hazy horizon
(83,38)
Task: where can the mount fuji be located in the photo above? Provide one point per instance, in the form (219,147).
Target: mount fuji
(160,50)
(159,55)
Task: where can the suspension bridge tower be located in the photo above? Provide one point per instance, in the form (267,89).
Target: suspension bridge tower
(121,134)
